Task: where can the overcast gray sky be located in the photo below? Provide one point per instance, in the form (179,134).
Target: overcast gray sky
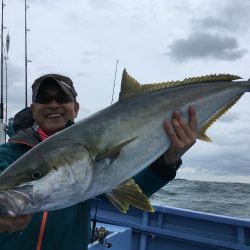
(155,41)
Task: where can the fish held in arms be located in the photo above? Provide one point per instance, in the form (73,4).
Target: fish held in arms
(100,154)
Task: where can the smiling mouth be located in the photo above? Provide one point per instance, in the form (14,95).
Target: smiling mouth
(54,115)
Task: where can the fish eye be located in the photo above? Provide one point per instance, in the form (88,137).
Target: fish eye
(36,175)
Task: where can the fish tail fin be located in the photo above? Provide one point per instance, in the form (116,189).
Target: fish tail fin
(129,193)
(203,137)
(201,134)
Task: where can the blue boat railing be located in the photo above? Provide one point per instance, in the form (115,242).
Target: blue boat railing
(172,228)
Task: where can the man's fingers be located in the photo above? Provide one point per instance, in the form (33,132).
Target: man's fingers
(6,224)
(192,119)
(170,131)
(12,225)
(187,130)
(180,130)
(21,222)
(181,127)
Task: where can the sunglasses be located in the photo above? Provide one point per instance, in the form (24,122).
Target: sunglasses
(58,98)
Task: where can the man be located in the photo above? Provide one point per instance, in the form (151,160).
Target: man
(55,107)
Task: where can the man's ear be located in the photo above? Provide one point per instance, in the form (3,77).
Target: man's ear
(32,108)
(76,109)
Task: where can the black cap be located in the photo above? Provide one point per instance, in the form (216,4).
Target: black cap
(23,119)
(63,81)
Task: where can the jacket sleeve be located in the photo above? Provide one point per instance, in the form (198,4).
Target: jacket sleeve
(10,152)
(155,176)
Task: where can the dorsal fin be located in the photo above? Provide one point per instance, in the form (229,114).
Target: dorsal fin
(131,87)
(202,132)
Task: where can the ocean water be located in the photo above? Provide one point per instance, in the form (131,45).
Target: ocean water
(223,198)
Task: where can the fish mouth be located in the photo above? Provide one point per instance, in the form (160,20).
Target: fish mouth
(14,202)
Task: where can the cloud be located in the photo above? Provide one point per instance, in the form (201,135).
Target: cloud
(219,159)
(229,117)
(103,4)
(213,34)
(237,15)
(15,72)
(89,56)
(193,173)
(221,23)
(205,46)
(212,23)
(226,16)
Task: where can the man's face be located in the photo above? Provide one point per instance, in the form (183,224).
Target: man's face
(52,114)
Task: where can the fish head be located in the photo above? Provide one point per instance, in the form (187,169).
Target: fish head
(33,184)
(16,186)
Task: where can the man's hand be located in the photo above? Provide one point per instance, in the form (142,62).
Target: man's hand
(181,135)
(14,224)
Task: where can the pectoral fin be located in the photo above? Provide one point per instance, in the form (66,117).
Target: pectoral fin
(114,152)
(129,193)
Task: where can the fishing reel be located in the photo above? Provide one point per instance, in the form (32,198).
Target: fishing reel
(100,235)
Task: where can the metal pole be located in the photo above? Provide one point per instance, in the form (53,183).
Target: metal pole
(6,76)
(26,60)
(1,104)
(6,94)
(2,125)
(6,89)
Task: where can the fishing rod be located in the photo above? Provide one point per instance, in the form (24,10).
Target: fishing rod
(25,51)
(6,57)
(99,234)
(26,29)
(2,126)
(114,81)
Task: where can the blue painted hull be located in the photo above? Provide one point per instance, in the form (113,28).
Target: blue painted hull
(170,228)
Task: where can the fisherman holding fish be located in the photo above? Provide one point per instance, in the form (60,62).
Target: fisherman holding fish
(54,108)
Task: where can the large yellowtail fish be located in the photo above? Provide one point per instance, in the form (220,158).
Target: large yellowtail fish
(101,153)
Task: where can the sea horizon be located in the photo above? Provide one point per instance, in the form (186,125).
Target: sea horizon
(221,198)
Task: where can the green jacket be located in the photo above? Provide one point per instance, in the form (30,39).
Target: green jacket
(67,228)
